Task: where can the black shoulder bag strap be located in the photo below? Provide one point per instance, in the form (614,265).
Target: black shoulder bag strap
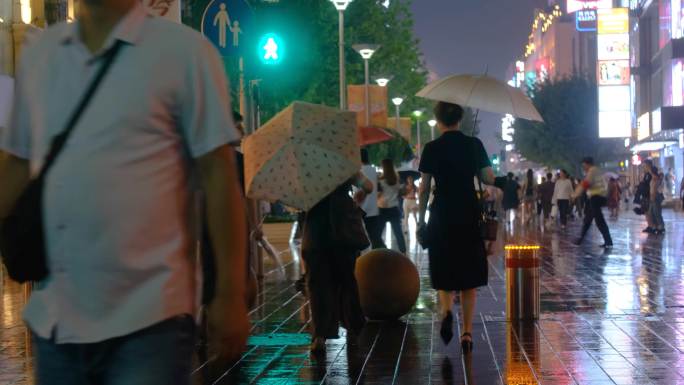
(60,140)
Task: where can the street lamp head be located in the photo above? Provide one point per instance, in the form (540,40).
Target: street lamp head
(341,5)
(383,80)
(418,113)
(366,50)
(397,101)
(432,123)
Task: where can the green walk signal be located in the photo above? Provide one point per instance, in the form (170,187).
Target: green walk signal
(271,49)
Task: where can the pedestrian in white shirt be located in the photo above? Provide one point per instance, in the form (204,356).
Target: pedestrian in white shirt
(390,191)
(118,305)
(562,194)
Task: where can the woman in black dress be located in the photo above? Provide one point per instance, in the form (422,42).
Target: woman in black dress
(458,260)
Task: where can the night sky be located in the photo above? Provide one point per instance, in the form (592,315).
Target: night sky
(466,36)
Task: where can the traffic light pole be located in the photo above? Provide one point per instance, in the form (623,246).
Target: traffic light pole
(343,74)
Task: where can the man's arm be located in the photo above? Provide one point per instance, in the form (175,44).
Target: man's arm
(226,218)
(487,176)
(424,196)
(14,174)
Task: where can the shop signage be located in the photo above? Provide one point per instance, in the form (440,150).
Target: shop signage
(613,73)
(613,21)
(585,20)
(578,5)
(644,126)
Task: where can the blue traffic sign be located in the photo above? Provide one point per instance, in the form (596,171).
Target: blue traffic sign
(227,23)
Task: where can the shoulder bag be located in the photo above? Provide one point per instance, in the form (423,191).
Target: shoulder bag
(488,226)
(22,237)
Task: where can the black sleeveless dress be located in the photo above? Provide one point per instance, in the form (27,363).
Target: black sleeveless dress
(458,260)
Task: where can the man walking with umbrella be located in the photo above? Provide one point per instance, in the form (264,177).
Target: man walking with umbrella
(595,187)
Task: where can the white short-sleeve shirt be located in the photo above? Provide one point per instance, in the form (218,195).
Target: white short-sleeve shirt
(117,201)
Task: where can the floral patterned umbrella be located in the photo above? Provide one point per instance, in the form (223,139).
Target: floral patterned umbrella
(301,155)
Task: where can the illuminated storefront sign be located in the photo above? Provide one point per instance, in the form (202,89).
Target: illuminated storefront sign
(585,20)
(657,121)
(507,130)
(542,67)
(519,73)
(577,5)
(613,21)
(613,73)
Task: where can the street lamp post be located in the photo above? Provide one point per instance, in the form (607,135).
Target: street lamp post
(432,123)
(418,114)
(341,6)
(366,51)
(397,103)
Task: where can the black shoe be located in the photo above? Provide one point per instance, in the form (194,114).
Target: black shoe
(649,230)
(446,331)
(467,344)
(659,232)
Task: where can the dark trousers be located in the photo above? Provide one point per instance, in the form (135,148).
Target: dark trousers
(374,229)
(393,216)
(593,212)
(546,208)
(563,210)
(333,292)
(160,354)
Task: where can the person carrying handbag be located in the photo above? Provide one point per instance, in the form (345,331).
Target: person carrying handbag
(334,236)
(457,255)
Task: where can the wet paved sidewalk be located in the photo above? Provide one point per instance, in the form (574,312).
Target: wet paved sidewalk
(612,317)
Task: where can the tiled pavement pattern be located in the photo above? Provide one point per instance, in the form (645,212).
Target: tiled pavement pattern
(607,318)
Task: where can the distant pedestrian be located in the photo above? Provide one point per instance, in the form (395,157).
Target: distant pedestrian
(457,255)
(614,194)
(369,203)
(119,304)
(390,190)
(545,191)
(595,187)
(529,191)
(562,193)
(656,201)
(511,197)
(410,202)
(681,192)
(642,195)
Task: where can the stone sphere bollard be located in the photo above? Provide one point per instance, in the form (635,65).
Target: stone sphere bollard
(389,284)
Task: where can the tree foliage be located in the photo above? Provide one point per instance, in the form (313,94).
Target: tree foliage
(569,107)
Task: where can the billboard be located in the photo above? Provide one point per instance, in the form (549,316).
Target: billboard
(613,73)
(577,5)
(613,47)
(378,104)
(585,20)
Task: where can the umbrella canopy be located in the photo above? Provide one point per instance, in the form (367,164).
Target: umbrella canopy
(483,93)
(373,135)
(301,155)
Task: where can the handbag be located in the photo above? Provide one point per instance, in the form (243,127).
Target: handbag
(22,237)
(488,227)
(346,221)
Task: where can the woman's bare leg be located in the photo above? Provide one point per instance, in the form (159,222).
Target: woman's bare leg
(446,301)
(468,298)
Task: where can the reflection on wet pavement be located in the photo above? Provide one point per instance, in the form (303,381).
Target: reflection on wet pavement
(613,317)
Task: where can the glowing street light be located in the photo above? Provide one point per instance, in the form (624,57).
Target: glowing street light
(418,114)
(397,102)
(341,6)
(432,123)
(366,51)
(383,80)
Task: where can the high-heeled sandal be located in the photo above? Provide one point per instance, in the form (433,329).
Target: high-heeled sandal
(467,344)
(446,331)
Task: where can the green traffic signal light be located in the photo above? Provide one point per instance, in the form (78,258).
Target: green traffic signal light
(271,49)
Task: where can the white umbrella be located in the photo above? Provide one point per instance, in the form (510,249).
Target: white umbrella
(483,93)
